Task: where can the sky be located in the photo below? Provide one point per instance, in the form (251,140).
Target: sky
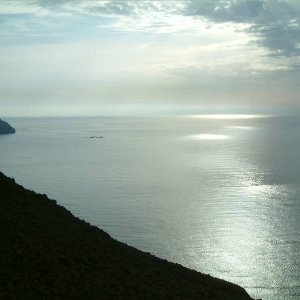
(87,57)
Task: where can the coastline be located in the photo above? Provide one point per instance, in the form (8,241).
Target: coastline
(49,253)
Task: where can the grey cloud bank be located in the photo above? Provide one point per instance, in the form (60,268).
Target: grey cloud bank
(275,22)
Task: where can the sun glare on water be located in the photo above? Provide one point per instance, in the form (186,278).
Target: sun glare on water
(209,137)
(226,116)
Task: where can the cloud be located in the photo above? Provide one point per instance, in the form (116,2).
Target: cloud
(120,8)
(275,23)
(226,11)
(280,40)
(135,8)
(101,53)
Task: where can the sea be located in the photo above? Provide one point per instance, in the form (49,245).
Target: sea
(216,193)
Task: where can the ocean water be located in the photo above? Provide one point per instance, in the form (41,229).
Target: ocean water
(219,194)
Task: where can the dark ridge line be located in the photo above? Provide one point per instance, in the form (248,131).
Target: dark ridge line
(47,253)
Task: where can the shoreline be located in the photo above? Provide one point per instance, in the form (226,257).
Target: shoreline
(49,253)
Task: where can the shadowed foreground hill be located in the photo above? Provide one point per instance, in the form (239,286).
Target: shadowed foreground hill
(47,253)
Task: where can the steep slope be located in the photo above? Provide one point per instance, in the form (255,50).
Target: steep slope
(47,253)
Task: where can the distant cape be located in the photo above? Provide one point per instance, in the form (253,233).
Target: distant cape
(5,128)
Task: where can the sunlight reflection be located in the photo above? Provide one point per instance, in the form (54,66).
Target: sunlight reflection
(241,127)
(208,136)
(226,116)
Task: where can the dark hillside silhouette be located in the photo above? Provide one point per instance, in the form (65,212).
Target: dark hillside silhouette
(47,253)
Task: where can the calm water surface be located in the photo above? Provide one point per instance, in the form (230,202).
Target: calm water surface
(217,194)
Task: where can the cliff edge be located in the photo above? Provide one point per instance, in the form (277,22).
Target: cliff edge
(47,253)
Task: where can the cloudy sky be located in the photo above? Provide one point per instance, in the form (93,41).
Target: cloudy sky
(72,57)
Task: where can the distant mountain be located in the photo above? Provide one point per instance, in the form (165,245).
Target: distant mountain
(5,128)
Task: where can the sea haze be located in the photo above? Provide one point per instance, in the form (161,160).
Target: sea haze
(216,193)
